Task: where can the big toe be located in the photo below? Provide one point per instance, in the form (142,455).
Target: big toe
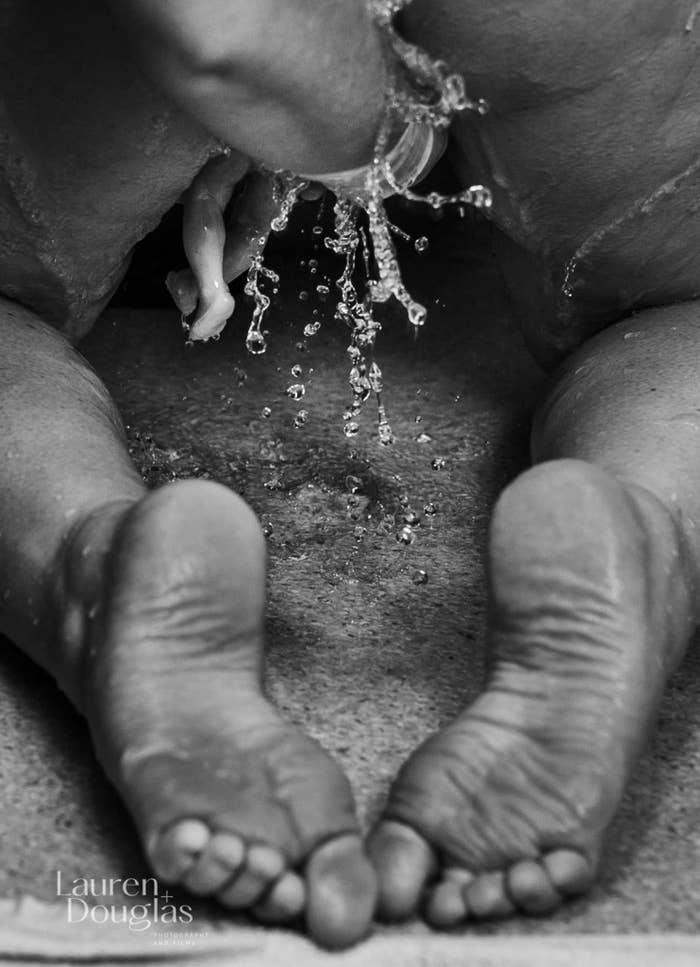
(176,850)
(404,862)
(341,892)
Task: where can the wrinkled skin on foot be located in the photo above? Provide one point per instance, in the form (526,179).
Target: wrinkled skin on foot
(588,149)
(505,809)
(164,605)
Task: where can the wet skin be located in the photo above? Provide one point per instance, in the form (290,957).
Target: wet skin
(593,558)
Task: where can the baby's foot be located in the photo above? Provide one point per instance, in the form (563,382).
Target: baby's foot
(164,611)
(212,314)
(183,288)
(504,810)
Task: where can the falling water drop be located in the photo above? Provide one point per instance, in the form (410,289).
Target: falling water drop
(353,484)
(421,244)
(255,343)
(406,535)
(296,391)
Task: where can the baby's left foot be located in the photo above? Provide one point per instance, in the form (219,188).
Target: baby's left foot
(504,811)
(182,286)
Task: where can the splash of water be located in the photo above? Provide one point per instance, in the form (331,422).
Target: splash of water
(423,91)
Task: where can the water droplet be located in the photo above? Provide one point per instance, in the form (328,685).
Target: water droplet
(359,532)
(296,371)
(313,264)
(421,244)
(350,429)
(417,314)
(303,295)
(353,500)
(424,438)
(317,230)
(430,509)
(240,375)
(296,391)
(266,412)
(322,290)
(375,378)
(255,343)
(406,535)
(300,347)
(385,434)
(438,463)
(311,328)
(353,484)
(419,577)
(267,529)
(301,418)
(412,518)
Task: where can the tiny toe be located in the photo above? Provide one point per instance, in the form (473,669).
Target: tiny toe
(285,901)
(486,896)
(569,871)
(342,892)
(218,862)
(445,906)
(531,889)
(403,861)
(263,865)
(175,850)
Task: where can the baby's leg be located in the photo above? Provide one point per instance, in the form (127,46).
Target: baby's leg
(204,237)
(594,563)
(148,610)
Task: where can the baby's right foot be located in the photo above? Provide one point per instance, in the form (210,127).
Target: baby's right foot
(163,615)
(212,315)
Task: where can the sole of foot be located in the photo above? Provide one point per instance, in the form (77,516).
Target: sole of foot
(591,608)
(230,801)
